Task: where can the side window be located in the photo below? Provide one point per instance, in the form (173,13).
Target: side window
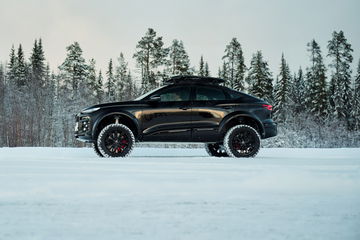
(175,94)
(209,94)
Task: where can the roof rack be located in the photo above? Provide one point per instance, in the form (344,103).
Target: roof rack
(194,79)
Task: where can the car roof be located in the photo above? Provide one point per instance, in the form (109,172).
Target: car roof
(194,79)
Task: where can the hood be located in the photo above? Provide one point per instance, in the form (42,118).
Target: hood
(112,104)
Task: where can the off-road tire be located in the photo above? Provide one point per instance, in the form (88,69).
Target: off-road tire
(96,149)
(216,150)
(115,140)
(242,141)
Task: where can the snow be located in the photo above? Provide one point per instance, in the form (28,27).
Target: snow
(160,193)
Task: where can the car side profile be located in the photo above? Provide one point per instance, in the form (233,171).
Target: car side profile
(185,109)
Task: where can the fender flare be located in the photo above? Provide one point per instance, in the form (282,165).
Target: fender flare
(230,117)
(119,113)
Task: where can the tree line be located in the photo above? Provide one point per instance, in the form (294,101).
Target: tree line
(315,107)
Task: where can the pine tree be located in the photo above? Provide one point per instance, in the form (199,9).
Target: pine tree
(12,67)
(223,72)
(150,56)
(207,71)
(316,82)
(2,106)
(340,84)
(37,62)
(259,78)
(201,67)
(179,62)
(92,80)
(298,91)
(120,76)
(235,65)
(73,70)
(356,101)
(21,73)
(282,92)
(99,88)
(110,84)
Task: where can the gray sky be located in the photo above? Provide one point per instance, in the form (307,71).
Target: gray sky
(106,28)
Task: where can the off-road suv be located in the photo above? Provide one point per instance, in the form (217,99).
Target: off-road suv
(186,109)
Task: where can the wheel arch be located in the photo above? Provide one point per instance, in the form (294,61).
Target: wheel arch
(241,118)
(109,118)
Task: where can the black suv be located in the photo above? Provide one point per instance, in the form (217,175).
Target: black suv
(186,109)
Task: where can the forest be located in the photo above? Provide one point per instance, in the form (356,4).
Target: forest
(316,106)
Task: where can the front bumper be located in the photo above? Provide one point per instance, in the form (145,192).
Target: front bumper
(83,125)
(270,128)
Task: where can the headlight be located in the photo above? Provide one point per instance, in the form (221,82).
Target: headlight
(91,110)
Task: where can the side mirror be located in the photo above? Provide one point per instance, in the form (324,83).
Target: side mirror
(155,98)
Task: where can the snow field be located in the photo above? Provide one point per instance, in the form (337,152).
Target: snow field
(160,193)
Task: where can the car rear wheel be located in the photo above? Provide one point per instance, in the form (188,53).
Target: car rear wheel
(242,141)
(216,150)
(115,140)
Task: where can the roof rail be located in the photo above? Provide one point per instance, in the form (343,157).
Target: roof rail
(194,79)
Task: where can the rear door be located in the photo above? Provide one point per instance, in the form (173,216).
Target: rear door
(210,105)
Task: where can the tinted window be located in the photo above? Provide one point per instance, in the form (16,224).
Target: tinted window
(209,94)
(175,94)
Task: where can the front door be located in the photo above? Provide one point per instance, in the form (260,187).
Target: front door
(169,118)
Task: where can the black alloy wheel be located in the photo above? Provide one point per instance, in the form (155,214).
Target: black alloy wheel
(242,141)
(115,140)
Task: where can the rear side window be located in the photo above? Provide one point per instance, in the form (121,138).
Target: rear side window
(209,94)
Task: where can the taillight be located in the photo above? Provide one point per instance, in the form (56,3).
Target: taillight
(267,106)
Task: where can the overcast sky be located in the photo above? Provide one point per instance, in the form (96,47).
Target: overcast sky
(107,27)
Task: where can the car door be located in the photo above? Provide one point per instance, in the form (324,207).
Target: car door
(168,117)
(209,107)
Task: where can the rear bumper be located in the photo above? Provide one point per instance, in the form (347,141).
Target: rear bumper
(270,129)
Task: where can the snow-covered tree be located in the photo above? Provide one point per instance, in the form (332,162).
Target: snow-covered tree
(37,63)
(110,83)
(340,84)
(150,55)
(73,71)
(259,78)
(179,62)
(92,80)
(298,92)
(282,92)
(12,67)
(234,60)
(317,100)
(121,71)
(356,101)
(99,88)
(21,68)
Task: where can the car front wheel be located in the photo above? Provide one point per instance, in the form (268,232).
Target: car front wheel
(96,149)
(242,141)
(115,140)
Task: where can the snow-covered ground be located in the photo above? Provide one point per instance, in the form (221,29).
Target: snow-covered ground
(158,193)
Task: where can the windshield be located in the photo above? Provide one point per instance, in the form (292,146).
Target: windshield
(147,94)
